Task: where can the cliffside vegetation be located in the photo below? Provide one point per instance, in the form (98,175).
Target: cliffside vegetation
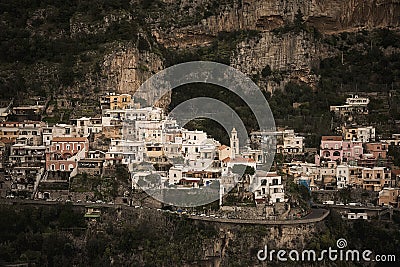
(57,235)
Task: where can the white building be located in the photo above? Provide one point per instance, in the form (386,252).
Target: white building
(342,176)
(125,152)
(63,130)
(85,126)
(354,104)
(144,114)
(31,131)
(395,141)
(112,117)
(363,134)
(175,174)
(357,215)
(22,154)
(254,154)
(267,187)
(192,141)
(289,142)
(148,131)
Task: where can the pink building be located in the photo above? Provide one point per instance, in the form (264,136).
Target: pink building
(64,152)
(352,150)
(331,148)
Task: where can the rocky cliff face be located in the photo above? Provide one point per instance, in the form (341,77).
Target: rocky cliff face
(292,55)
(126,68)
(326,15)
(240,244)
(112,59)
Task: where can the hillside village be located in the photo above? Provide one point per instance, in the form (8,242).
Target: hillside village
(81,160)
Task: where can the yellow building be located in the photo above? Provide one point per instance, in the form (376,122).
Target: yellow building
(374,179)
(9,130)
(120,101)
(389,196)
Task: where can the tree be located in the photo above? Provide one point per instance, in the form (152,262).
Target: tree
(266,71)
(394,153)
(298,19)
(243,169)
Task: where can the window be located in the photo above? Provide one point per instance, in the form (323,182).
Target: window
(68,147)
(62,167)
(336,146)
(57,147)
(79,147)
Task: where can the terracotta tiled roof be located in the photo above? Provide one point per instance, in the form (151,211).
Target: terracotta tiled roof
(6,141)
(238,159)
(228,159)
(70,139)
(332,138)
